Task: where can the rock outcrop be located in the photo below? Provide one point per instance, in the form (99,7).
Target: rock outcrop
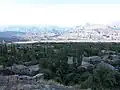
(13,83)
(92,59)
(105,66)
(24,70)
(85,66)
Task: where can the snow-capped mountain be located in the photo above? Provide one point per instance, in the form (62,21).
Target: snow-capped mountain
(93,32)
(44,33)
(41,32)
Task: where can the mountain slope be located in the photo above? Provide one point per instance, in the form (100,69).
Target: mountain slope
(91,32)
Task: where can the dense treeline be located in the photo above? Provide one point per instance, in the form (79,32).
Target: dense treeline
(53,59)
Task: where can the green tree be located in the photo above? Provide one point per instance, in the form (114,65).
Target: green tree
(101,79)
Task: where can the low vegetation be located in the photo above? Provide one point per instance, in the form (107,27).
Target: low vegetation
(53,59)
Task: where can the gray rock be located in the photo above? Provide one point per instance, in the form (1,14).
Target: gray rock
(86,59)
(105,57)
(92,59)
(39,76)
(106,66)
(9,83)
(108,52)
(1,67)
(24,70)
(27,63)
(27,87)
(114,62)
(33,70)
(19,69)
(3,80)
(6,72)
(24,77)
(85,66)
(95,59)
(118,54)
(115,57)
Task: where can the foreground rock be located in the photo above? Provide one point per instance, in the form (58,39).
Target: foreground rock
(105,66)
(33,70)
(19,69)
(85,66)
(92,59)
(13,83)
(24,70)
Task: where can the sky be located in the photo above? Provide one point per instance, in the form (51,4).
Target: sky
(58,12)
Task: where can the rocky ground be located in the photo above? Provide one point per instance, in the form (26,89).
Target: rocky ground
(27,76)
(13,83)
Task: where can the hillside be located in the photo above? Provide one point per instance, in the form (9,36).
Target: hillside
(92,32)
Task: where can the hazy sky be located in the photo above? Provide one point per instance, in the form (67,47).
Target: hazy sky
(62,1)
(58,12)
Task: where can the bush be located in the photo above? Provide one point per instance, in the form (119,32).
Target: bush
(48,74)
(3,60)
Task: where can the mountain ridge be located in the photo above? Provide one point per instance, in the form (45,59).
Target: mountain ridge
(82,32)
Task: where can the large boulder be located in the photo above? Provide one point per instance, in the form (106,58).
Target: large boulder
(113,59)
(24,70)
(85,66)
(95,59)
(114,62)
(108,52)
(92,59)
(33,70)
(39,76)
(6,72)
(105,57)
(86,59)
(27,87)
(3,80)
(19,69)
(1,67)
(106,66)
(24,77)
(13,83)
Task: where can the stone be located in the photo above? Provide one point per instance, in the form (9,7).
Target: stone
(95,59)
(19,69)
(34,69)
(6,72)
(39,76)
(24,77)
(28,84)
(92,59)
(115,57)
(24,70)
(85,66)
(106,66)
(1,67)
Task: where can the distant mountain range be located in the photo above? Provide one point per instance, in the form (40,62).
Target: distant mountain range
(11,36)
(37,33)
(21,33)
